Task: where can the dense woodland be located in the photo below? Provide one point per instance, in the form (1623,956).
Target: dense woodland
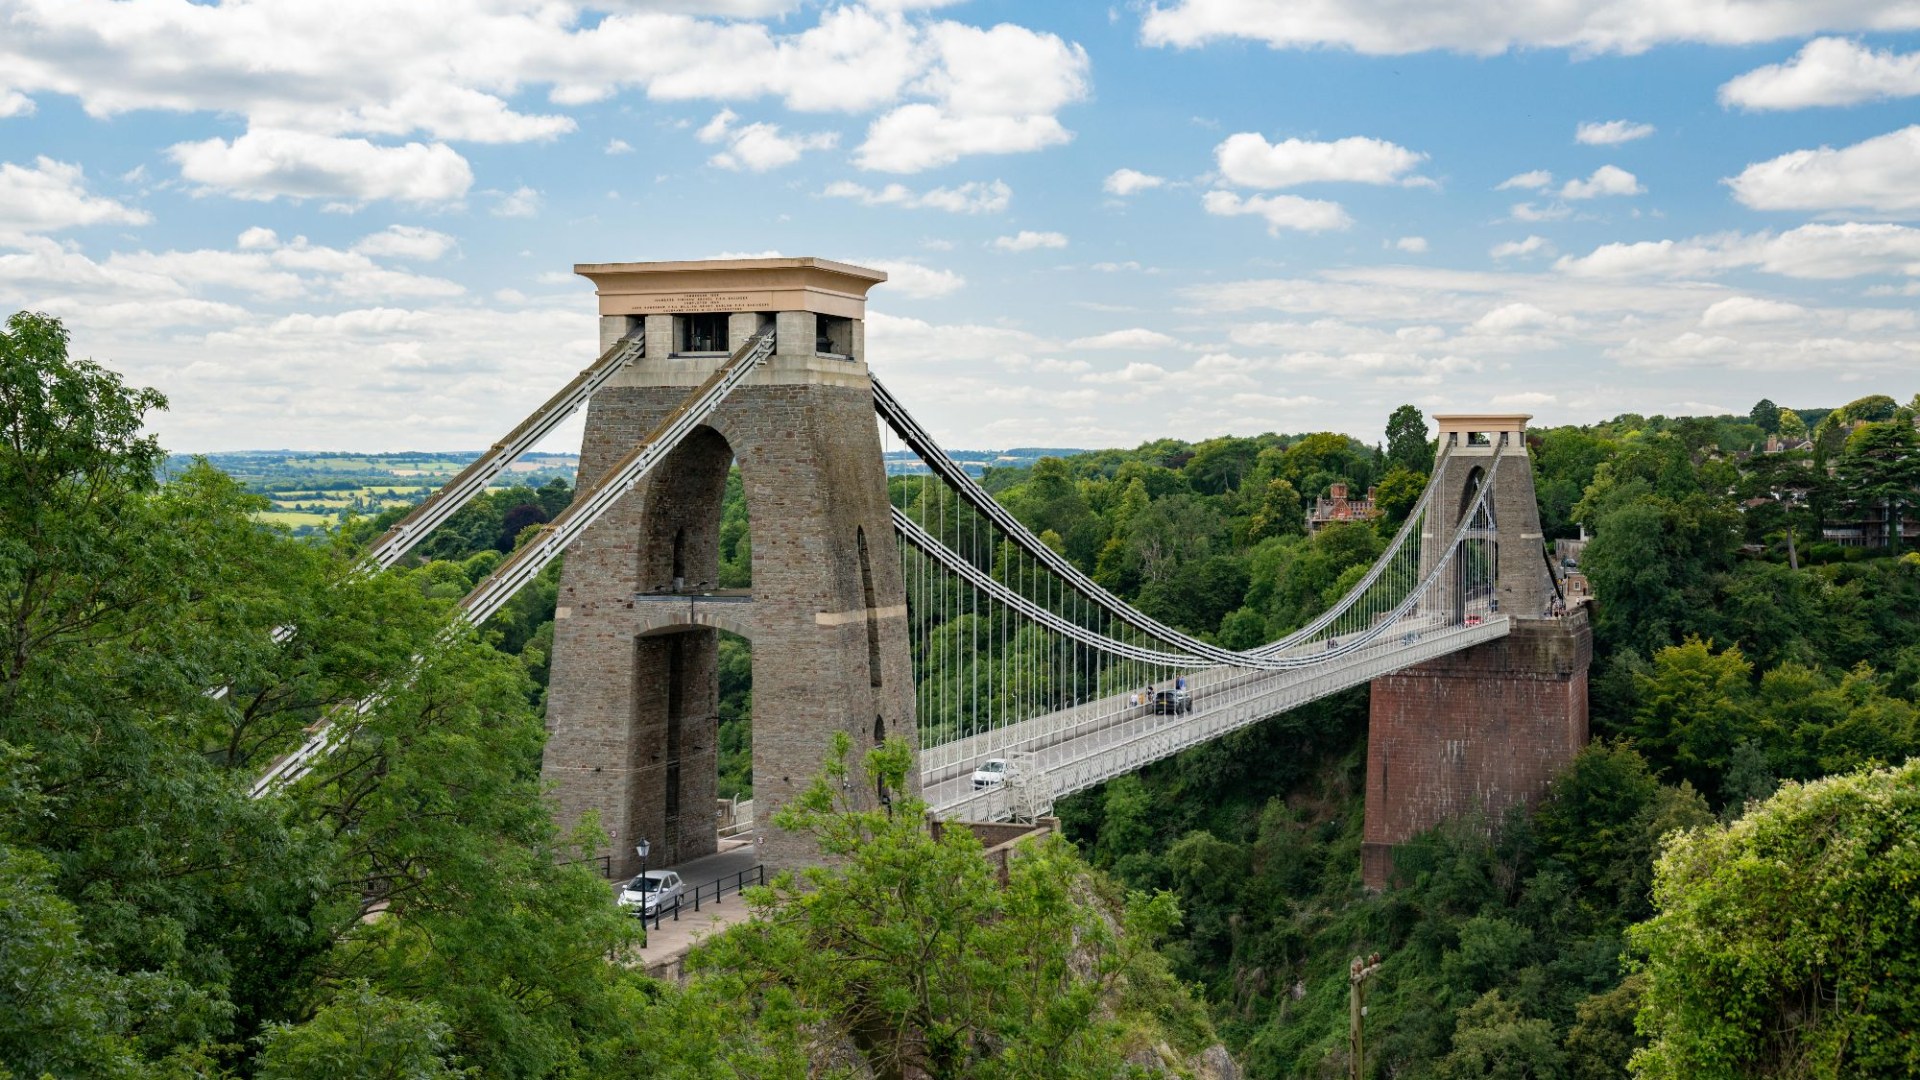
(410,910)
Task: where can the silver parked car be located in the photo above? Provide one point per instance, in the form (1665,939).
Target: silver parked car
(653,892)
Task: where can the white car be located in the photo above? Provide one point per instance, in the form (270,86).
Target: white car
(991,772)
(653,892)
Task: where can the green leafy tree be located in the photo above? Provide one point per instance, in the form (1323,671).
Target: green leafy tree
(1765,416)
(1407,444)
(910,950)
(1786,944)
(1791,426)
(1397,493)
(361,1035)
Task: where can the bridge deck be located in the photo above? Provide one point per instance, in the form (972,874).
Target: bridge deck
(1076,748)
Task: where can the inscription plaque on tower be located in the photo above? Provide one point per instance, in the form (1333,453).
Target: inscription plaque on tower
(684,303)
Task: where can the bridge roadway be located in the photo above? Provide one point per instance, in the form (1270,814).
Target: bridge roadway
(1076,748)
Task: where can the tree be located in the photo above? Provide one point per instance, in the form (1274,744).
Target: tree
(1791,426)
(1397,493)
(1765,415)
(1407,444)
(1786,943)
(909,950)
(1694,709)
(1880,470)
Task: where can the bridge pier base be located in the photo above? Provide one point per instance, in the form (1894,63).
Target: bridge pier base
(1478,730)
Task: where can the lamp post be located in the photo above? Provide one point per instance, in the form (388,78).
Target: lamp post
(641,849)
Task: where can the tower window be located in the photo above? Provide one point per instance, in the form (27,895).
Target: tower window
(833,335)
(706,333)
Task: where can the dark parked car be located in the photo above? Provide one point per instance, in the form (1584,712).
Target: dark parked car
(1172,701)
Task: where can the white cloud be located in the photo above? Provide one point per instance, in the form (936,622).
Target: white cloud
(1532,245)
(448,70)
(258,238)
(1606,180)
(1115,267)
(1249,160)
(1133,338)
(1742,310)
(14,103)
(1509,318)
(1816,251)
(1125,182)
(1826,71)
(973,197)
(915,280)
(915,137)
(1881,174)
(1530,181)
(1029,240)
(995,91)
(1280,211)
(1386,27)
(266,164)
(1611,132)
(1412,245)
(52,195)
(1529,212)
(521,202)
(411,242)
(618,146)
(758,147)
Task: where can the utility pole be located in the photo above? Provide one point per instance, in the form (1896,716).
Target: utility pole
(1358,972)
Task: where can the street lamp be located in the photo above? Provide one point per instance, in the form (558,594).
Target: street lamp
(641,849)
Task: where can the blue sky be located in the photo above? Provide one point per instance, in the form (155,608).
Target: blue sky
(350,225)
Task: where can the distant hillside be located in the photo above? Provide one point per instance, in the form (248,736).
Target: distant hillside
(907,463)
(311,489)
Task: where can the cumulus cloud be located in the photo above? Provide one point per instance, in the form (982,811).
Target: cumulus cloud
(410,242)
(1249,160)
(1385,27)
(1132,338)
(1826,71)
(1412,245)
(520,202)
(14,103)
(1742,310)
(973,197)
(916,280)
(995,91)
(1611,132)
(758,147)
(1029,240)
(942,89)
(617,146)
(1280,211)
(1532,245)
(1516,317)
(266,164)
(1606,180)
(917,137)
(1536,180)
(1816,251)
(52,195)
(1125,182)
(1881,174)
(1530,212)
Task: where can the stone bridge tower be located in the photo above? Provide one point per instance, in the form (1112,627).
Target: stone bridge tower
(1484,728)
(632,705)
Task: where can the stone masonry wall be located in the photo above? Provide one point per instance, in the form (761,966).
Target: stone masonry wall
(1478,730)
(803,432)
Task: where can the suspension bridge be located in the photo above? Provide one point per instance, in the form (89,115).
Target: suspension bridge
(918,606)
